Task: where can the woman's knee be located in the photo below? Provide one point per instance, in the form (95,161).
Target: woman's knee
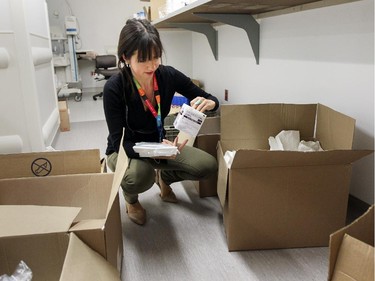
(112,160)
(208,164)
(138,180)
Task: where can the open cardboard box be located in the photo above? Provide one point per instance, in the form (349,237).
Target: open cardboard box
(351,255)
(38,235)
(64,116)
(155,5)
(284,199)
(99,222)
(99,226)
(49,163)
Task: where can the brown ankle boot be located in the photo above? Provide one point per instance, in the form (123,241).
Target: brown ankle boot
(166,192)
(136,213)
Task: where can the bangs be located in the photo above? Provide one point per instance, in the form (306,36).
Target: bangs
(149,48)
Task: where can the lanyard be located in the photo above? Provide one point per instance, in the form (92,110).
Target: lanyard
(157,115)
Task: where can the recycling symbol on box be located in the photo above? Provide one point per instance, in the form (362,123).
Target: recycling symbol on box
(41,167)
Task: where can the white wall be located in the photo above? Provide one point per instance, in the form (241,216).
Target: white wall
(317,56)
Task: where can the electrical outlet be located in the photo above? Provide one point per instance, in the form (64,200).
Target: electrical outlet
(226,95)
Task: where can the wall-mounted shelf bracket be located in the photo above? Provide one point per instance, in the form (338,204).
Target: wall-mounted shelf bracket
(244,21)
(204,28)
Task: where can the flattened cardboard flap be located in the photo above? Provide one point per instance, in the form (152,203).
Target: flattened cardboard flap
(361,229)
(334,130)
(88,224)
(210,126)
(55,256)
(82,264)
(38,164)
(267,158)
(255,123)
(25,220)
(222,179)
(355,261)
(90,191)
(121,166)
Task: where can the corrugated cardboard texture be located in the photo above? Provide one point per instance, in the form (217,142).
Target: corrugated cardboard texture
(40,164)
(25,220)
(334,130)
(83,264)
(155,4)
(44,254)
(208,186)
(98,222)
(267,158)
(88,191)
(222,179)
(206,140)
(57,256)
(210,126)
(64,116)
(355,261)
(361,229)
(251,125)
(283,199)
(286,207)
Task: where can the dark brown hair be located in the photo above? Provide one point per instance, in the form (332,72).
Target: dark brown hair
(138,35)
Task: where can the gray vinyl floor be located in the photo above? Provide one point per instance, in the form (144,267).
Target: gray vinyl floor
(185,241)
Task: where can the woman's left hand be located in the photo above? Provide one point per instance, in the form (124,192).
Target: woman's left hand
(202,104)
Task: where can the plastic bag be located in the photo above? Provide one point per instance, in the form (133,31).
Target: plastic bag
(22,273)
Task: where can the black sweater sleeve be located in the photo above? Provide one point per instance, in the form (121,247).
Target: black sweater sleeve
(128,113)
(175,81)
(114,111)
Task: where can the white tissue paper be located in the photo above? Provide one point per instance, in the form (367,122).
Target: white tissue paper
(154,149)
(285,140)
(290,140)
(228,157)
(189,120)
(309,146)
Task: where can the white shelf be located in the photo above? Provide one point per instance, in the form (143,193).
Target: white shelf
(200,16)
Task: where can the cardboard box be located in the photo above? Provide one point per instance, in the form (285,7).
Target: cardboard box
(98,224)
(64,116)
(351,255)
(207,140)
(51,163)
(45,246)
(284,199)
(155,5)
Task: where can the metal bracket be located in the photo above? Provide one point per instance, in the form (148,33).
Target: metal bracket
(204,28)
(244,21)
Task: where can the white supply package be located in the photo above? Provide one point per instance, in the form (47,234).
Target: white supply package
(189,120)
(154,149)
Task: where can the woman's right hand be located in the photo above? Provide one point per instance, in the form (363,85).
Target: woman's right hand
(179,146)
(201,104)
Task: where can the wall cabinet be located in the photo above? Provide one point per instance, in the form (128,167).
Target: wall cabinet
(28,110)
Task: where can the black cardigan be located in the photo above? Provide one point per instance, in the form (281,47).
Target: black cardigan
(140,125)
